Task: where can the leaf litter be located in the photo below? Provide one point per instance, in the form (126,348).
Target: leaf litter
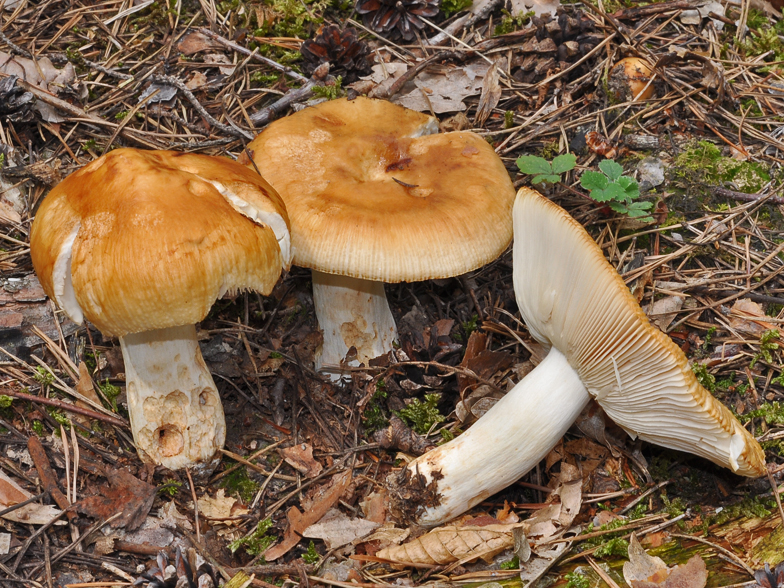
(709,272)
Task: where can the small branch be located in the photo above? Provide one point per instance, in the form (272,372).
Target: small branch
(106,70)
(319,78)
(68,407)
(239,49)
(14,46)
(172,81)
(464,22)
(743,197)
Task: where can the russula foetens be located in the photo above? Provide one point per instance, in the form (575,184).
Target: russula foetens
(141,243)
(601,346)
(375,195)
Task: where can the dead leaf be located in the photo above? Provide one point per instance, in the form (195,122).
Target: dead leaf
(663,311)
(8,215)
(300,457)
(41,73)
(12,493)
(444,90)
(646,571)
(453,543)
(491,94)
(126,494)
(226,67)
(220,507)
(195,41)
(388,534)
(336,529)
(748,318)
(298,522)
(197,80)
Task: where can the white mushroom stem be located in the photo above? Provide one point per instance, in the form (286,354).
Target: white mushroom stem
(176,413)
(351,313)
(507,442)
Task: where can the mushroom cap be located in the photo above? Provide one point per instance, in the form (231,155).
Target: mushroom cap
(579,304)
(143,240)
(372,194)
(629,77)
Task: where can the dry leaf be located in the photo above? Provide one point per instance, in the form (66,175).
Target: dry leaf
(444,90)
(452,543)
(12,493)
(298,521)
(220,507)
(337,530)
(300,457)
(491,94)
(748,318)
(197,80)
(195,41)
(226,67)
(663,311)
(646,571)
(41,73)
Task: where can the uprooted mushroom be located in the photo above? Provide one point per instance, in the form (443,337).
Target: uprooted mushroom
(601,346)
(141,243)
(376,195)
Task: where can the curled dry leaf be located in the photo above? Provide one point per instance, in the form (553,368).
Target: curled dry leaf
(12,493)
(646,571)
(452,543)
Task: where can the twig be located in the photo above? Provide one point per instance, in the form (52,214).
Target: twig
(464,22)
(239,49)
(19,505)
(229,130)
(743,197)
(67,407)
(195,504)
(718,548)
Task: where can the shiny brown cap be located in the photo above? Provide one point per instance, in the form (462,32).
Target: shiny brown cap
(572,299)
(143,240)
(373,194)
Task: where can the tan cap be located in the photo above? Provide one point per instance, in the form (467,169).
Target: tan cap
(373,195)
(572,299)
(143,240)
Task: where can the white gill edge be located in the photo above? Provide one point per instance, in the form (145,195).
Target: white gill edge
(506,442)
(429,128)
(271,219)
(62,282)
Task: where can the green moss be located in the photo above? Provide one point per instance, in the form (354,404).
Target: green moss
(510,22)
(111,392)
(170,487)
(577,580)
(257,542)
(470,325)
(450,7)
(240,484)
(6,401)
(704,377)
(702,160)
(421,416)
(311,556)
(768,344)
(330,92)
(764,41)
(38,428)
(618,547)
(512,564)
(375,417)
(749,507)
(771,412)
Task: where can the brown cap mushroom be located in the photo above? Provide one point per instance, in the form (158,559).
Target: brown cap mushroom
(375,196)
(601,346)
(629,80)
(141,243)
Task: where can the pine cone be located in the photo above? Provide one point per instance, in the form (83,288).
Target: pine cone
(346,54)
(186,573)
(396,18)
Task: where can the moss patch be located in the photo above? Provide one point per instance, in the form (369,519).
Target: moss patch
(703,161)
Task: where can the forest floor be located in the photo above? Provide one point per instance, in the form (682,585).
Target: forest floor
(704,259)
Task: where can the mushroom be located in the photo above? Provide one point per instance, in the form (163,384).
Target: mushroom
(141,243)
(375,196)
(629,80)
(601,346)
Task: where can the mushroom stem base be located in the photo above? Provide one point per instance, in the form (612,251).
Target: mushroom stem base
(176,413)
(507,442)
(351,313)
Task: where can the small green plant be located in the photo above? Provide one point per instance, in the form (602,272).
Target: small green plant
(772,412)
(508,119)
(450,7)
(617,547)
(706,379)
(257,542)
(510,23)
(111,392)
(421,416)
(330,92)
(768,344)
(6,401)
(512,564)
(311,556)
(543,170)
(38,428)
(43,377)
(577,580)
(470,325)
(238,482)
(618,191)
(374,416)
(2,160)
(170,487)
(60,417)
